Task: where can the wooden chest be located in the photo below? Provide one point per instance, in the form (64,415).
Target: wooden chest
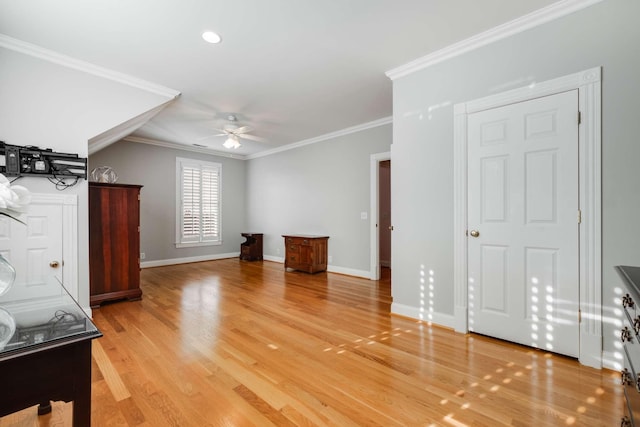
(305,252)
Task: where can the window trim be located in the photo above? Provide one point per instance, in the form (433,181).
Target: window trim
(200,164)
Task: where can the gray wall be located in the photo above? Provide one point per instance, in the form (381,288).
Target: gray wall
(318,189)
(154,167)
(606,35)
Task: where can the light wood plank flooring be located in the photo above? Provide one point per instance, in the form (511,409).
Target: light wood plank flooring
(233,343)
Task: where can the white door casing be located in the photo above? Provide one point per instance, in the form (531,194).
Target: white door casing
(588,85)
(46,246)
(522,213)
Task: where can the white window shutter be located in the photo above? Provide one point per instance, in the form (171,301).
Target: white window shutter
(200,205)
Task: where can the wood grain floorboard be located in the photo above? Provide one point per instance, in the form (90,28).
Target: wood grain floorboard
(232,343)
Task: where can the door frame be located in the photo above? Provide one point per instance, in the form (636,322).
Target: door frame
(588,83)
(374,167)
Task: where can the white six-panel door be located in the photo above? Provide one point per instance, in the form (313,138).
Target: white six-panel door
(523,260)
(35,249)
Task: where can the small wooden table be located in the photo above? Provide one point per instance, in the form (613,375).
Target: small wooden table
(251,249)
(49,356)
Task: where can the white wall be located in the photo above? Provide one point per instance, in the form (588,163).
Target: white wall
(318,189)
(154,168)
(606,35)
(51,106)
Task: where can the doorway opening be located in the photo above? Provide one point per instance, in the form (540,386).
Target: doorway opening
(380,167)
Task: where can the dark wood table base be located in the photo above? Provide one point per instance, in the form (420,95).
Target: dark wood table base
(60,373)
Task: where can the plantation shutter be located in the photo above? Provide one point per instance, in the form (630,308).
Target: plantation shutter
(210,204)
(200,202)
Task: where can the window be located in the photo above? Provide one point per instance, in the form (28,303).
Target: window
(198,205)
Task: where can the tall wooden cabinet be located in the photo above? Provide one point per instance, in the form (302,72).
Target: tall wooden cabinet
(114,242)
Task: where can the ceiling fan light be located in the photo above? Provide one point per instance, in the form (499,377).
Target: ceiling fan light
(232,142)
(211,37)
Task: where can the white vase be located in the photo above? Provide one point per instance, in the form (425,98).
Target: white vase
(7,327)
(7,275)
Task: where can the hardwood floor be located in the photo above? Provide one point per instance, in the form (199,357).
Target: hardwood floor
(233,343)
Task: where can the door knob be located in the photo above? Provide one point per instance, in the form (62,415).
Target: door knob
(474,233)
(54,264)
(391,227)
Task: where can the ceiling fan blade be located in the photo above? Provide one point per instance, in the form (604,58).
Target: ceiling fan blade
(221,131)
(252,138)
(211,136)
(243,129)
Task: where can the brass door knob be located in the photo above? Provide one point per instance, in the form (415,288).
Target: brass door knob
(474,233)
(54,264)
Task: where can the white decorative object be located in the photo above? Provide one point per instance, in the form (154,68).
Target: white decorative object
(14,199)
(104,174)
(7,327)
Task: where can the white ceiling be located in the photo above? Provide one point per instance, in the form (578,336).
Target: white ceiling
(291,69)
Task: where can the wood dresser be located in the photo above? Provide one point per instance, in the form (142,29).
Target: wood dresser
(305,252)
(114,242)
(630,336)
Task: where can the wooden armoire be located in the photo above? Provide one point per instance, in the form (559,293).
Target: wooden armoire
(114,242)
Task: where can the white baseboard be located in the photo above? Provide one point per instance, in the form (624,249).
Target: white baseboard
(174,261)
(330,268)
(612,360)
(591,351)
(441,319)
(349,271)
(273,258)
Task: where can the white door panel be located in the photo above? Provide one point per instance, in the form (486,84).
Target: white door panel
(523,200)
(33,249)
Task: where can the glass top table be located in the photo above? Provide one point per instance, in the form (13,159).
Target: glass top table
(41,321)
(45,350)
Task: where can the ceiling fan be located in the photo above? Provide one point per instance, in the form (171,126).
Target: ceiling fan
(234,133)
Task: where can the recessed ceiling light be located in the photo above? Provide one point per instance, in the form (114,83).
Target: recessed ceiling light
(211,37)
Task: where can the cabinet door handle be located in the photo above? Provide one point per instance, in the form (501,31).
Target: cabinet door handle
(636,325)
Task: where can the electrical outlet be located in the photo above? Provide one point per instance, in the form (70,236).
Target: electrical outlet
(142,255)
(363,215)
(330,259)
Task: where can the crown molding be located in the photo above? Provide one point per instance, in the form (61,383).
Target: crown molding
(526,22)
(76,64)
(107,138)
(326,136)
(336,134)
(183,147)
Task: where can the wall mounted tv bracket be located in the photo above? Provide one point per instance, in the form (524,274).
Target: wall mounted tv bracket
(34,161)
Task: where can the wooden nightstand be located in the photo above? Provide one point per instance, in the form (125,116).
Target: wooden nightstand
(251,249)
